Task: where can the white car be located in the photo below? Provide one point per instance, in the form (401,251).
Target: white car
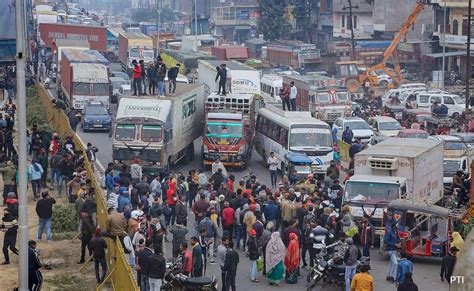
(359,127)
(385,126)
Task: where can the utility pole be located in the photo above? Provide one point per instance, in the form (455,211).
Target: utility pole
(195,26)
(351,23)
(444,48)
(158,24)
(21,105)
(468,63)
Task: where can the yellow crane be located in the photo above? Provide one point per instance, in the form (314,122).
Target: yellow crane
(398,77)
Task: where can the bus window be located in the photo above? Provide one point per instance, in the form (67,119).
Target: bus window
(272,92)
(283,137)
(276,132)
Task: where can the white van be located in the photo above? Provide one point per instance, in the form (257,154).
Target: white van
(414,86)
(270,87)
(455,103)
(402,93)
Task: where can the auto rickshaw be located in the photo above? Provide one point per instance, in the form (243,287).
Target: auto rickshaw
(438,124)
(300,163)
(393,110)
(424,230)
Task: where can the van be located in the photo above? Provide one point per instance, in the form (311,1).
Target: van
(402,93)
(455,103)
(413,86)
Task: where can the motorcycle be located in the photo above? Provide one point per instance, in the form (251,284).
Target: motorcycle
(330,269)
(176,281)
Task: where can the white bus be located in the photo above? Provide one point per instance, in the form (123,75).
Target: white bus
(270,88)
(285,132)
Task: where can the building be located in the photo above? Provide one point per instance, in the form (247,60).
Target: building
(322,23)
(362,18)
(235,20)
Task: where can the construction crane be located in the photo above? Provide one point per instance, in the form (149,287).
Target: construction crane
(369,74)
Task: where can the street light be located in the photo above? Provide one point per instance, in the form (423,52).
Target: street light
(350,7)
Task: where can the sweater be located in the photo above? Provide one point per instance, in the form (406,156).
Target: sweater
(44,207)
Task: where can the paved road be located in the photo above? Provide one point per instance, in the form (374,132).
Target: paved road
(426,270)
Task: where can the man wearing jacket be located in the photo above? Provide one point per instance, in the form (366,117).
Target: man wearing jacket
(155,267)
(196,258)
(230,266)
(160,77)
(447,265)
(222,77)
(137,77)
(142,259)
(404,266)
(179,236)
(44,210)
(228,219)
(253,254)
(172,75)
(8,171)
(392,243)
(181,211)
(9,240)
(366,236)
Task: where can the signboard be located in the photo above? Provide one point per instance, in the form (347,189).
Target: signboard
(245,82)
(454,39)
(312,56)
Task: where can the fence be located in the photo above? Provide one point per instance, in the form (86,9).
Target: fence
(120,275)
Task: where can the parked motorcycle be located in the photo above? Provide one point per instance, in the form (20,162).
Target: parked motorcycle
(176,281)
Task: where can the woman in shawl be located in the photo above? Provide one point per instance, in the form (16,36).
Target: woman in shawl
(274,255)
(457,241)
(292,260)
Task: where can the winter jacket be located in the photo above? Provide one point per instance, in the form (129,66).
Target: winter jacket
(44,207)
(271,211)
(8,173)
(407,285)
(33,174)
(231,261)
(228,216)
(136,171)
(391,238)
(404,266)
(173,73)
(253,249)
(210,227)
(181,213)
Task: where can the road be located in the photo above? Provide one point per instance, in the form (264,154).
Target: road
(426,270)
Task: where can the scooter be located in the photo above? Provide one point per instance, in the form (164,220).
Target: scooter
(176,281)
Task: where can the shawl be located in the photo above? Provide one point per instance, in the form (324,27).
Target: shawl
(275,251)
(292,259)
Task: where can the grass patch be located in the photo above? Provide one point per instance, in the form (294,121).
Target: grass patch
(66,281)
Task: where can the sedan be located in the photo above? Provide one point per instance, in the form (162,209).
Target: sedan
(95,116)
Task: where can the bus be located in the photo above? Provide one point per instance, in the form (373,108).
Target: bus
(289,132)
(270,87)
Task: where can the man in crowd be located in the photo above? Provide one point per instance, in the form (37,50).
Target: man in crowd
(98,245)
(293,95)
(137,77)
(172,75)
(44,210)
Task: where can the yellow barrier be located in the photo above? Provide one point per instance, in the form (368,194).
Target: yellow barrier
(343,151)
(119,271)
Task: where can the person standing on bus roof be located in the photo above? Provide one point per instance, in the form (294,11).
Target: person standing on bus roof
(293,94)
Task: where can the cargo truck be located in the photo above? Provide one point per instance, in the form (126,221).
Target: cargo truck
(229,129)
(241,79)
(135,46)
(84,78)
(410,169)
(96,36)
(159,132)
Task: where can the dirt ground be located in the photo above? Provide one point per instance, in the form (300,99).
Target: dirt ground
(61,255)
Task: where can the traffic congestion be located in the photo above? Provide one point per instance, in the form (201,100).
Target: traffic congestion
(223,166)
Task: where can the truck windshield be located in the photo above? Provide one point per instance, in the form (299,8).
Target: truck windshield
(342,96)
(310,137)
(149,54)
(224,130)
(134,53)
(371,191)
(101,89)
(323,98)
(125,132)
(151,133)
(450,167)
(82,88)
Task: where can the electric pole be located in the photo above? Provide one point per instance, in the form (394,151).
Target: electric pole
(21,105)
(468,63)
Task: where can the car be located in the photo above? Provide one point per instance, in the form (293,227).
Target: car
(466,137)
(116,82)
(455,103)
(359,127)
(451,142)
(411,86)
(385,126)
(120,74)
(413,133)
(95,116)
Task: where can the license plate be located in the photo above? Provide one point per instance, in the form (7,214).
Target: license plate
(97,125)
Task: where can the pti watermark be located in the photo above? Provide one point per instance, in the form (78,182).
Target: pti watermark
(456,280)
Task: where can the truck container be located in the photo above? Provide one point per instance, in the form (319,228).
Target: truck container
(95,35)
(67,44)
(230,52)
(242,79)
(167,128)
(396,168)
(84,78)
(307,83)
(293,54)
(135,46)
(229,129)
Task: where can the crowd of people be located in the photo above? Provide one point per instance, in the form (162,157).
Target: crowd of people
(153,77)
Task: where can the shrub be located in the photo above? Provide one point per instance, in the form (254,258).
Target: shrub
(64,218)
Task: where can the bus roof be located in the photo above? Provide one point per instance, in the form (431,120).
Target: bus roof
(289,118)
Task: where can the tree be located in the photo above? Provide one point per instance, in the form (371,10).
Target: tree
(302,13)
(273,23)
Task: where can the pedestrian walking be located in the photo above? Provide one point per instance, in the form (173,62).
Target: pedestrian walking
(34,173)
(196,258)
(10,226)
(363,281)
(392,243)
(293,94)
(44,210)
(447,265)
(253,255)
(272,163)
(292,260)
(137,75)
(87,230)
(221,254)
(351,256)
(172,76)
(155,266)
(404,266)
(35,278)
(230,267)
(98,245)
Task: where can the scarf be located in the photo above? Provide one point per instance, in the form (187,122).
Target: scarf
(292,258)
(275,251)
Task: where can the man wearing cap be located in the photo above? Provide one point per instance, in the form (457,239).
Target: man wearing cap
(447,265)
(136,171)
(253,254)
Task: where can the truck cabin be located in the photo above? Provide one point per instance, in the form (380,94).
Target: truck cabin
(224,128)
(141,53)
(329,103)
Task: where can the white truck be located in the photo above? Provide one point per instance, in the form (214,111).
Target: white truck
(456,160)
(159,132)
(241,79)
(410,169)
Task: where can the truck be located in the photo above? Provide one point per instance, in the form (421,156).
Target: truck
(456,160)
(306,83)
(95,35)
(167,129)
(135,46)
(84,77)
(329,103)
(229,129)
(409,169)
(241,80)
